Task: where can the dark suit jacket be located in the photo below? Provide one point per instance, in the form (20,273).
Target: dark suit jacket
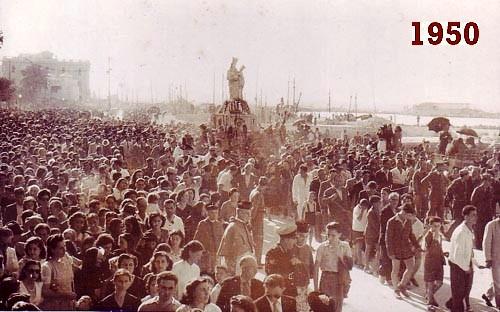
(382,179)
(10,213)
(399,238)
(288,304)
(244,188)
(385,214)
(210,234)
(231,287)
(131,303)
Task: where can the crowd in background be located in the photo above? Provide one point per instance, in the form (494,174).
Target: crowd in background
(107,214)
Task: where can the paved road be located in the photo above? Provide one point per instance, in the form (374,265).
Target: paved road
(367,294)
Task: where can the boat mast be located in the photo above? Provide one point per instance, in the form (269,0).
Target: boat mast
(329,102)
(356,105)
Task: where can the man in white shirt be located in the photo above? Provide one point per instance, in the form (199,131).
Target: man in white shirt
(300,189)
(172,222)
(461,259)
(225,182)
(399,175)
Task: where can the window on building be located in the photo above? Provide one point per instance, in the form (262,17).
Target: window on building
(63,70)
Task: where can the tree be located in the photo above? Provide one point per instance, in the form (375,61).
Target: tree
(7,90)
(35,79)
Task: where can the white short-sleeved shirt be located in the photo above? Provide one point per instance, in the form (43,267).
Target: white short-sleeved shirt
(359,225)
(174,225)
(185,272)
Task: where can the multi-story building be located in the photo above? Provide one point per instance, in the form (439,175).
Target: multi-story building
(68,80)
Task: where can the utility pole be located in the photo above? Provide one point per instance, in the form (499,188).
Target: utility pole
(350,102)
(288,91)
(151,90)
(356,105)
(213,91)
(109,83)
(329,102)
(222,88)
(293,92)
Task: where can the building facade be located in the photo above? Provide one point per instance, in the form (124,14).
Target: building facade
(68,80)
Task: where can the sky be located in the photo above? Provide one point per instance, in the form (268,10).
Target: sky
(358,48)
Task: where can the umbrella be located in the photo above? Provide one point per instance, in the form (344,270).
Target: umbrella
(299,122)
(364,117)
(438,124)
(468,131)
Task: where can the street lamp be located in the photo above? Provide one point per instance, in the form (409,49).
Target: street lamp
(20,96)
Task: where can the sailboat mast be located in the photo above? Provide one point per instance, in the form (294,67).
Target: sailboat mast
(213,89)
(356,105)
(350,101)
(329,102)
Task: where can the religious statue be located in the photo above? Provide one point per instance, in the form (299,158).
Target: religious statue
(236,80)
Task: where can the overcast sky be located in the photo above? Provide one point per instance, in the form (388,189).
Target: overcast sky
(350,47)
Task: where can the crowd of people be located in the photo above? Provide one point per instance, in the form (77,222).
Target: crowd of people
(127,215)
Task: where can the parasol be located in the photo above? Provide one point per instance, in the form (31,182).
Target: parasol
(438,124)
(364,117)
(468,131)
(299,122)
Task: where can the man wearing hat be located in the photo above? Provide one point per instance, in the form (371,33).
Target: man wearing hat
(304,270)
(281,258)
(456,194)
(209,232)
(237,240)
(437,183)
(245,284)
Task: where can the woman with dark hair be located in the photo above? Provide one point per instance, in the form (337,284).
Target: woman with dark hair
(176,242)
(160,261)
(10,263)
(133,227)
(57,276)
(187,269)
(115,228)
(155,222)
(119,189)
(151,287)
(183,209)
(126,244)
(90,279)
(146,247)
(78,223)
(241,303)
(34,249)
(137,174)
(120,299)
(197,296)
(198,213)
(31,281)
